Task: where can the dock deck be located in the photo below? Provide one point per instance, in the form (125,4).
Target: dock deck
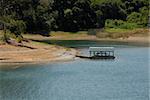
(99,53)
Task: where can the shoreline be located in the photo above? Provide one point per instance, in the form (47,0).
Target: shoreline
(138,35)
(44,53)
(137,39)
(47,53)
(143,40)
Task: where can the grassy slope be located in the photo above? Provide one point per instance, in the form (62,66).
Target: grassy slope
(106,33)
(122,33)
(110,33)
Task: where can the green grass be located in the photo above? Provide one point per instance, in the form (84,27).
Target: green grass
(60,33)
(114,30)
(122,33)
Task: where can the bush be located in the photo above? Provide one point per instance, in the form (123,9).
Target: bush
(120,24)
(6,36)
(134,17)
(141,18)
(13,28)
(127,25)
(17,27)
(113,23)
(19,39)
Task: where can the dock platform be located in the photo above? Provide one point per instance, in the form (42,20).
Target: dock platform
(99,53)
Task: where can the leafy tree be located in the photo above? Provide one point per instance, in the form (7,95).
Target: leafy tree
(135,17)
(145,14)
(141,18)
(134,5)
(43,16)
(120,24)
(13,28)
(106,9)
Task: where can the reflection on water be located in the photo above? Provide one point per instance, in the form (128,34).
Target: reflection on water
(125,78)
(86,43)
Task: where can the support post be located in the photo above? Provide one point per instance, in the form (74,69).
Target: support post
(90,53)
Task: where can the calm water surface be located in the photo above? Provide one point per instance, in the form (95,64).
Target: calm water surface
(125,78)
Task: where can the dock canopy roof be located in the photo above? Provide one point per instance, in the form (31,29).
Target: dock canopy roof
(96,49)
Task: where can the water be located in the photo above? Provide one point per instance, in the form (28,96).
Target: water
(125,78)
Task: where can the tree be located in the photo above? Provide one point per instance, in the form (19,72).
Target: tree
(141,18)
(42,16)
(13,28)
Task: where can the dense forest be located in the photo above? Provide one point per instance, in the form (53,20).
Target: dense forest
(19,16)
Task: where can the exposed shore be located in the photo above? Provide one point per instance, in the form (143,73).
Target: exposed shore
(44,53)
(135,38)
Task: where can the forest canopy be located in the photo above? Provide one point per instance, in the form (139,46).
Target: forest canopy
(18,16)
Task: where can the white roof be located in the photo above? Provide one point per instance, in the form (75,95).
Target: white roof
(101,48)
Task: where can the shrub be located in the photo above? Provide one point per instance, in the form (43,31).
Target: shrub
(120,24)
(135,18)
(127,25)
(13,28)
(141,17)
(17,27)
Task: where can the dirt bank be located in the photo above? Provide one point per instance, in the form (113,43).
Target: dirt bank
(41,54)
(137,38)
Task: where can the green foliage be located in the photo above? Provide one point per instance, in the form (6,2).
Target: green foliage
(145,16)
(12,28)
(73,15)
(134,17)
(106,1)
(134,11)
(134,5)
(120,24)
(19,39)
(6,35)
(17,27)
(141,18)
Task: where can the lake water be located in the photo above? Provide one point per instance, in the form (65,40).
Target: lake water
(125,78)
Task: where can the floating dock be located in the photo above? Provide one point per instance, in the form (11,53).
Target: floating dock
(99,53)
(98,57)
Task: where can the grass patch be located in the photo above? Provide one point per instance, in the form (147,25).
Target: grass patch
(114,30)
(122,33)
(59,33)
(69,35)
